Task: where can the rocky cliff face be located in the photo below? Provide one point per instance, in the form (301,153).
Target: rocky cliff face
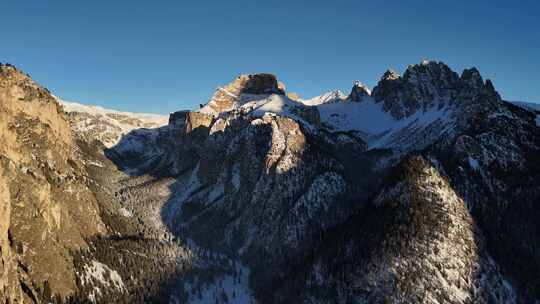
(227,97)
(10,288)
(48,208)
(422,86)
(427,85)
(359,91)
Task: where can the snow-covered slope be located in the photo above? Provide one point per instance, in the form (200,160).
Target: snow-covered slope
(408,112)
(106,125)
(328,97)
(381,128)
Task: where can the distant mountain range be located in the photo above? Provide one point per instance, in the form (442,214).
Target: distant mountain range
(106,125)
(424,189)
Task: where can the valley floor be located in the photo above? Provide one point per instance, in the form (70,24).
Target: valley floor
(140,259)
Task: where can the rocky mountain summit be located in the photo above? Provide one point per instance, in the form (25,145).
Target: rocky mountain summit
(423,190)
(231,96)
(427,85)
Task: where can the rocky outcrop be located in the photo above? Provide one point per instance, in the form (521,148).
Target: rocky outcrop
(178,118)
(293,96)
(10,289)
(359,91)
(472,85)
(51,210)
(420,87)
(429,85)
(196,120)
(309,114)
(230,96)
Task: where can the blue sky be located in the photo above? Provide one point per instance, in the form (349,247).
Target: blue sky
(162,56)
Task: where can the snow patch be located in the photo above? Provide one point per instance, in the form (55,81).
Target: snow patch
(124,212)
(217,192)
(381,128)
(329,97)
(366,116)
(95,163)
(235,179)
(99,272)
(225,289)
(181,194)
(473,163)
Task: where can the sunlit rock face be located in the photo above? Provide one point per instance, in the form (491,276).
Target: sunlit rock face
(230,96)
(48,209)
(10,289)
(359,91)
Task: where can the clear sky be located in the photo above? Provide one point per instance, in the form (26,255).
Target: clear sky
(162,56)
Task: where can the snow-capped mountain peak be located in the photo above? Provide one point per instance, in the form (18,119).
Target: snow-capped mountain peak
(359,91)
(390,74)
(328,97)
(412,110)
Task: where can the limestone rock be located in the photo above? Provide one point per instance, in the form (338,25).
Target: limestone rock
(227,97)
(51,209)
